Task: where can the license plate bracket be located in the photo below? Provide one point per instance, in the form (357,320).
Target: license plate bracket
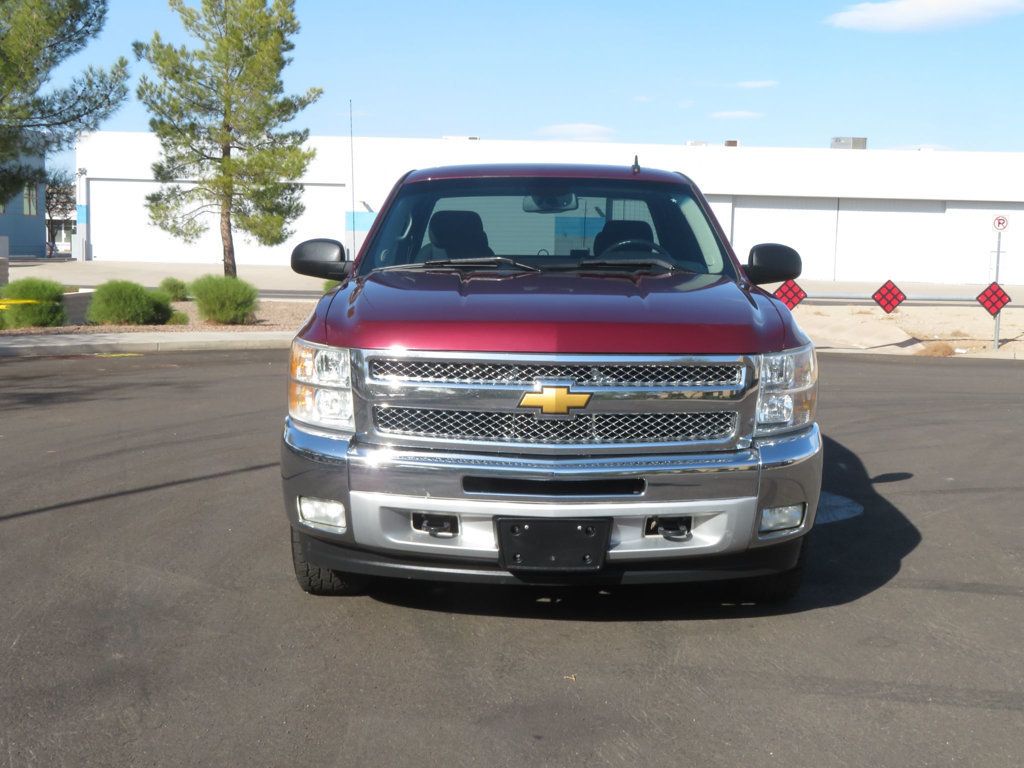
(545,544)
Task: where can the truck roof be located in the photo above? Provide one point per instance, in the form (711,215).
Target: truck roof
(546,170)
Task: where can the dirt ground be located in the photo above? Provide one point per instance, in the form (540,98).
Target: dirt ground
(944,331)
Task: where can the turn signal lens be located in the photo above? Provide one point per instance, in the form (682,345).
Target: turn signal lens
(302,362)
(320,389)
(320,365)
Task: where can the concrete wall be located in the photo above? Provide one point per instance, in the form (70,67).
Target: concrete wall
(120,230)
(853,214)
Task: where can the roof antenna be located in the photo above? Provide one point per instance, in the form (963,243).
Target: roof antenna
(636,163)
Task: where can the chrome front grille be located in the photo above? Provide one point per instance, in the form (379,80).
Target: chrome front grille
(638,404)
(525,374)
(594,428)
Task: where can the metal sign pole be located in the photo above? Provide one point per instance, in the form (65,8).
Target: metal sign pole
(999,251)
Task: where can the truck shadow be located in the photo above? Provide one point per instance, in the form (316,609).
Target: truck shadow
(856,548)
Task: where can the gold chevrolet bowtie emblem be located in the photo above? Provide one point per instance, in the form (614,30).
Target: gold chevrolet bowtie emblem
(554,400)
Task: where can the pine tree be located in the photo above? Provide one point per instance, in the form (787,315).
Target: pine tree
(220,112)
(35,37)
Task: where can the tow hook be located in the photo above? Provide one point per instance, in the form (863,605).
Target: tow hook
(438,526)
(671,528)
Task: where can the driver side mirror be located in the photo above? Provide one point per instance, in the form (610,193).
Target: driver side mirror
(773,263)
(321,258)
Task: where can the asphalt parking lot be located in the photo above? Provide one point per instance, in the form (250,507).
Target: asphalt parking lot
(149,616)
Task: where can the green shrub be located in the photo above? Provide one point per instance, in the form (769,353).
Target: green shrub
(49,310)
(175,288)
(122,302)
(330,285)
(225,300)
(178,318)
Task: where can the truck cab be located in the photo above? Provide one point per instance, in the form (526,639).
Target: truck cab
(549,374)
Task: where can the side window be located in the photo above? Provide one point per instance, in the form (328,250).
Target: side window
(575,230)
(633,210)
(30,200)
(702,232)
(393,244)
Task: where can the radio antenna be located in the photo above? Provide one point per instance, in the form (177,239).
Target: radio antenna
(636,163)
(352,174)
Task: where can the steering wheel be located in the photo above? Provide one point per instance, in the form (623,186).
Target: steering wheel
(649,244)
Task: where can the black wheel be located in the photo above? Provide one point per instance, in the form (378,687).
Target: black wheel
(324,581)
(778,588)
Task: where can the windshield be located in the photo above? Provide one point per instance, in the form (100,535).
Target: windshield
(546,224)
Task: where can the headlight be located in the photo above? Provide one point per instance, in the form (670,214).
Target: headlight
(320,386)
(788,390)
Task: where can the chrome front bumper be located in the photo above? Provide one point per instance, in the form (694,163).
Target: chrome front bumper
(381,488)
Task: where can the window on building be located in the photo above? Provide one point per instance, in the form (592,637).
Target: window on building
(30,200)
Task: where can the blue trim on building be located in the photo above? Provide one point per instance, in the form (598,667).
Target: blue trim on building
(359,221)
(26,234)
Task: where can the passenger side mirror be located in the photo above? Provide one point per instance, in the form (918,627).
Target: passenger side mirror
(321,258)
(773,263)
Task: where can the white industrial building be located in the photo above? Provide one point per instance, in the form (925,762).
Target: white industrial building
(854,215)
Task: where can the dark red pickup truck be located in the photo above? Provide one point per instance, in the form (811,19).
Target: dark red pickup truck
(550,374)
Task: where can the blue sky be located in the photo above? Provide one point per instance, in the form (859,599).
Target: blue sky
(904,73)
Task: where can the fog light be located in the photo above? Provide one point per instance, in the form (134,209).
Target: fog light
(781,518)
(321,512)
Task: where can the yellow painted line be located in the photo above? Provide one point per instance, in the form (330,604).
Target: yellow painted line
(5,303)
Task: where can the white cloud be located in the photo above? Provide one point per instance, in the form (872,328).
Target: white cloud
(577,131)
(736,114)
(643,99)
(757,84)
(911,15)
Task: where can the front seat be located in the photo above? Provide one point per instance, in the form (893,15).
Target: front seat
(455,235)
(619,230)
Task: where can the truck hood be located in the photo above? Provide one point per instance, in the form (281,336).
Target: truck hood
(554,313)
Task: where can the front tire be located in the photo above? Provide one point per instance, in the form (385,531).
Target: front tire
(778,588)
(324,581)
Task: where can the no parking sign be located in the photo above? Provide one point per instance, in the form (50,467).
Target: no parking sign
(994,298)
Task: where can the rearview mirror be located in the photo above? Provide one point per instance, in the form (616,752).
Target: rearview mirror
(551,202)
(773,263)
(321,258)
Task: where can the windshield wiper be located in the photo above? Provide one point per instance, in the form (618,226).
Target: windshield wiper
(467,263)
(630,264)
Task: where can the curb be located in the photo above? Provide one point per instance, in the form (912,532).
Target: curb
(57,345)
